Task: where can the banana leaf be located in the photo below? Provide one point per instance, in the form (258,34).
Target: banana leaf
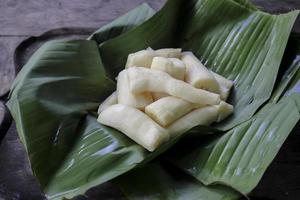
(53,103)
(53,97)
(239,157)
(160,180)
(235,160)
(54,91)
(239,44)
(50,101)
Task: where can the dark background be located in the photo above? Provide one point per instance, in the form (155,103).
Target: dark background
(25,24)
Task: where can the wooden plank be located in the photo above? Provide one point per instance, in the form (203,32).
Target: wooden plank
(7,69)
(16,179)
(33,17)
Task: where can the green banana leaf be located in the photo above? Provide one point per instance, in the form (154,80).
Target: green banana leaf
(53,103)
(98,154)
(239,44)
(239,157)
(55,90)
(158,181)
(53,97)
(50,99)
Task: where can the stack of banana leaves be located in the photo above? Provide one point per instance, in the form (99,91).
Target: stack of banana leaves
(55,97)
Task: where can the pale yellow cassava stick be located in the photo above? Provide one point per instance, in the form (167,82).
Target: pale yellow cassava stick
(169,52)
(201,116)
(141,58)
(126,97)
(135,124)
(143,79)
(168,109)
(174,67)
(111,100)
(198,75)
(225,85)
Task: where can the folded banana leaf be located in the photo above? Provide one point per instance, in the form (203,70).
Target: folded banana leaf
(68,149)
(239,157)
(235,160)
(50,100)
(53,103)
(53,97)
(239,44)
(239,163)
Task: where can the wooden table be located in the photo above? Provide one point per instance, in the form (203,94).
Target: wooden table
(20,20)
